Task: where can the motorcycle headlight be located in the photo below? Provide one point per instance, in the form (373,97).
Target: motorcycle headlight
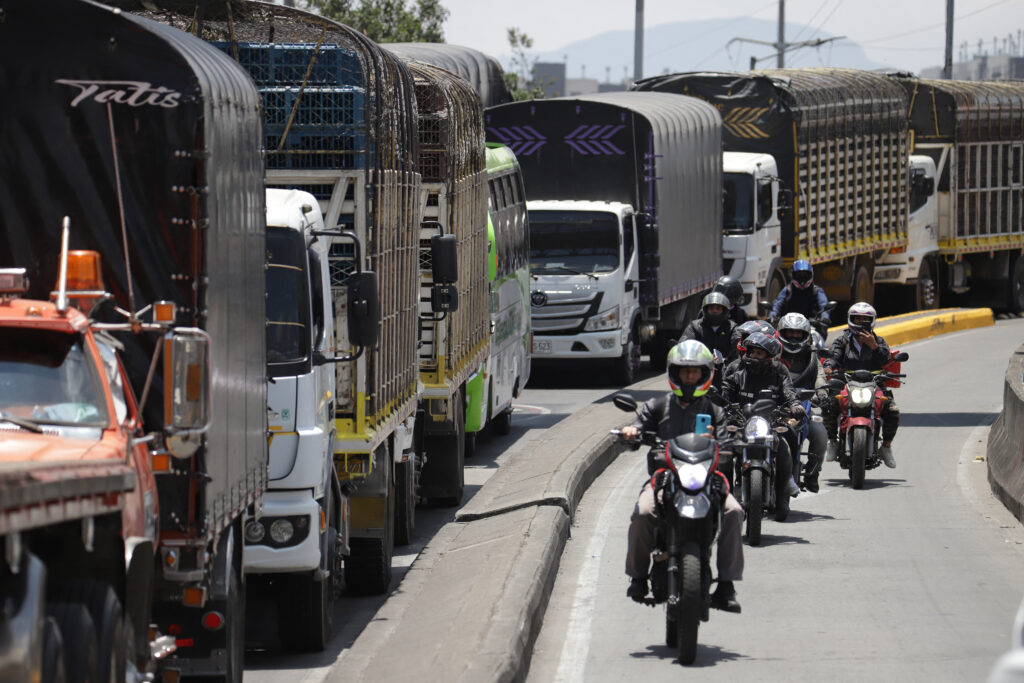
(756,428)
(861,396)
(605,320)
(692,477)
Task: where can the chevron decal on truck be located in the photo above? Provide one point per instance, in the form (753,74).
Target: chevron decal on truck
(594,139)
(522,140)
(741,122)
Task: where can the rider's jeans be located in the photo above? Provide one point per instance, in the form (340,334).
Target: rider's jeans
(641,538)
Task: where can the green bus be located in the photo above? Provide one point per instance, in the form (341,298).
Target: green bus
(490,391)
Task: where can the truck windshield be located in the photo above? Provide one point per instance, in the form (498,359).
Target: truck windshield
(574,241)
(738,211)
(287,301)
(48,378)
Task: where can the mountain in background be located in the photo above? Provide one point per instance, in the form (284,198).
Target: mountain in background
(700,46)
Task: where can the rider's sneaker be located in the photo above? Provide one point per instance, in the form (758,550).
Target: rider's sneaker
(637,589)
(811,482)
(724,598)
(832,451)
(792,489)
(885,452)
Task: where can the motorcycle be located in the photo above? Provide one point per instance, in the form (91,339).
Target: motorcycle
(756,446)
(861,399)
(690,513)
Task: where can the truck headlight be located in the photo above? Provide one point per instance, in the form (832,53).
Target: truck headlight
(605,320)
(254,532)
(281,531)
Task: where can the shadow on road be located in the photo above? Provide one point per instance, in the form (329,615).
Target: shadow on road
(707,655)
(869,483)
(776,539)
(946,419)
(568,374)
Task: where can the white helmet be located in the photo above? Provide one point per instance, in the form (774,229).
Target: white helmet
(794,333)
(861,309)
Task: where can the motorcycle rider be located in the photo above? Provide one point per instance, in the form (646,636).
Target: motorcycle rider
(859,348)
(745,330)
(807,373)
(749,381)
(801,295)
(691,369)
(713,328)
(733,290)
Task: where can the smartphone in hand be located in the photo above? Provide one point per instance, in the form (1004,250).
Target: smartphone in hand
(703,423)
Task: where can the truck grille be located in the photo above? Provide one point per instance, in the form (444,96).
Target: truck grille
(564,313)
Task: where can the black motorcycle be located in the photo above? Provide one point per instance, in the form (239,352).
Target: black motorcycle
(689,511)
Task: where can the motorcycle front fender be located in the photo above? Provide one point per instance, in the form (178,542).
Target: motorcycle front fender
(859,422)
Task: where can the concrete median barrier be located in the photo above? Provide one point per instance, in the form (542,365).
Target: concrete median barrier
(1005,459)
(901,329)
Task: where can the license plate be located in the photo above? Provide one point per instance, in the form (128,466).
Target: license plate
(542,346)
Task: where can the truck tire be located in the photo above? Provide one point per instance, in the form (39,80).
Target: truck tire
(1016,302)
(405,502)
(79,637)
(53,670)
(469,446)
(443,478)
(114,650)
(235,625)
(368,566)
(624,371)
(775,285)
(863,288)
(502,423)
(305,613)
(926,291)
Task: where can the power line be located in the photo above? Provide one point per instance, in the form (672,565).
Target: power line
(931,26)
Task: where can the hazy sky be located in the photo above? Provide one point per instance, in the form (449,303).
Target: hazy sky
(910,33)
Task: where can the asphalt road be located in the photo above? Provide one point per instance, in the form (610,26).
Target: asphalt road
(917,577)
(554,392)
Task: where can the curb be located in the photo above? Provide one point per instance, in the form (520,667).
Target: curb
(909,327)
(1006,441)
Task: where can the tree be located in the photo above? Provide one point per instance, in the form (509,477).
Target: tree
(520,77)
(387,21)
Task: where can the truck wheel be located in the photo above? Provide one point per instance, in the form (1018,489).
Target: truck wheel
(926,292)
(863,288)
(775,285)
(368,566)
(113,649)
(79,636)
(469,446)
(405,502)
(624,372)
(447,471)
(1017,286)
(53,670)
(305,613)
(235,625)
(502,424)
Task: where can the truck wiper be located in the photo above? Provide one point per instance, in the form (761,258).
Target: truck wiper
(575,272)
(21,422)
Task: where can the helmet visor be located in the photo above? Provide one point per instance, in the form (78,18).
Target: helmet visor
(802,276)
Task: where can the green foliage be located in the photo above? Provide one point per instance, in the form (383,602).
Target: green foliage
(520,77)
(387,21)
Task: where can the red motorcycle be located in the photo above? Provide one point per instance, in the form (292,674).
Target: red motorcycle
(861,398)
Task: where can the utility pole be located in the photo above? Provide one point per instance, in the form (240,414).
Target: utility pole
(638,42)
(947,65)
(781,46)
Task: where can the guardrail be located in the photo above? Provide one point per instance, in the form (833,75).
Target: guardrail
(1006,440)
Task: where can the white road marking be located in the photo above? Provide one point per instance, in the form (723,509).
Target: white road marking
(529,410)
(572,663)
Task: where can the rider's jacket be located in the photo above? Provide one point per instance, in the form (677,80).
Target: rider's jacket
(715,339)
(844,354)
(810,302)
(738,315)
(804,373)
(742,386)
(666,416)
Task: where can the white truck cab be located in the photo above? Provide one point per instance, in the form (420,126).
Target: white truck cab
(287,538)
(751,231)
(585,295)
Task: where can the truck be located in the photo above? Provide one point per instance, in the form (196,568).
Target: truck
(965,235)
(836,143)
(624,197)
(137,448)
(480,70)
(455,333)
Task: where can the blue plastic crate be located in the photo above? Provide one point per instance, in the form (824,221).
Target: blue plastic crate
(318,106)
(287,63)
(308,147)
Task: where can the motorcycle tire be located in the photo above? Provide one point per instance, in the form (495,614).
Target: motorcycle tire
(859,448)
(690,604)
(755,506)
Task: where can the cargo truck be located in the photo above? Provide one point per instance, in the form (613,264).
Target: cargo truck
(839,141)
(480,70)
(149,142)
(625,206)
(454,332)
(966,229)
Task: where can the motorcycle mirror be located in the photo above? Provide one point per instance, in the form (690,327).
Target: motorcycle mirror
(624,402)
(831,305)
(837,384)
(901,356)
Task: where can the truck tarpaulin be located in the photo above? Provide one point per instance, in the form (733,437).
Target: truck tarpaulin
(150,142)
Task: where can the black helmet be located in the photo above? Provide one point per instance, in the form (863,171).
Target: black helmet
(760,340)
(732,289)
(750,327)
(795,333)
(715,299)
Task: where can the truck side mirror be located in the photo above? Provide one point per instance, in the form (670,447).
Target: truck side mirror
(186,390)
(362,308)
(444,299)
(445,260)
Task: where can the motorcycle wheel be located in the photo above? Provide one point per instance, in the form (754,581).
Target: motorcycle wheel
(755,506)
(690,602)
(858,457)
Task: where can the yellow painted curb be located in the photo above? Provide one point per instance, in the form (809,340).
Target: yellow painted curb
(897,330)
